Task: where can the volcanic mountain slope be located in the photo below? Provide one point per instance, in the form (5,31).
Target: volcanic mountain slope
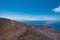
(12,30)
(48,31)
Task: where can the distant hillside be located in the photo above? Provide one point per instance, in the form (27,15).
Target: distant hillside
(12,30)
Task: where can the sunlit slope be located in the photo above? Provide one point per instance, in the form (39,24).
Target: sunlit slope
(12,30)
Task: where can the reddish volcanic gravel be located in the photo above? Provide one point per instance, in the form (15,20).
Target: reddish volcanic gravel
(12,30)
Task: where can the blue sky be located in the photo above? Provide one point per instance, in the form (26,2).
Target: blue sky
(30,9)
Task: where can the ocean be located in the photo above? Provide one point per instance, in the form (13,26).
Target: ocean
(51,23)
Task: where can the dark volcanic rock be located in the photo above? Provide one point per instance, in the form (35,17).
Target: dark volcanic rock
(12,30)
(3,21)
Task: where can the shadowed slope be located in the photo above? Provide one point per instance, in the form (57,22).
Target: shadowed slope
(3,21)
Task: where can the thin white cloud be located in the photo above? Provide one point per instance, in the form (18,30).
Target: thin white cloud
(49,18)
(57,9)
(41,18)
(14,16)
(29,19)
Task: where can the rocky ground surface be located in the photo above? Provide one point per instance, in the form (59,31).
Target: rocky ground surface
(12,30)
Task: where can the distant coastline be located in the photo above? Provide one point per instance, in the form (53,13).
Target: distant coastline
(52,23)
